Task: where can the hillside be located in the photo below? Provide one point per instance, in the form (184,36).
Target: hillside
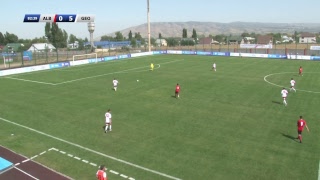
(174,29)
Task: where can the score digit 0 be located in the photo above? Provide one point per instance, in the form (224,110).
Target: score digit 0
(65,18)
(60,18)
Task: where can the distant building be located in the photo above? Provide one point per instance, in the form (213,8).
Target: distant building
(306,37)
(285,39)
(265,39)
(41,47)
(161,42)
(74,45)
(234,39)
(111,44)
(206,40)
(248,40)
(12,47)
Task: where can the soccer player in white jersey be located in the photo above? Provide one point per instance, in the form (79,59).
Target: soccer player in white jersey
(108,121)
(284,94)
(292,82)
(214,67)
(115,84)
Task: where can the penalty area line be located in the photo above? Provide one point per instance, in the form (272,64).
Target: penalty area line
(92,151)
(26,80)
(123,71)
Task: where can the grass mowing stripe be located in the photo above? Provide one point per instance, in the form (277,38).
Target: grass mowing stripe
(89,77)
(90,150)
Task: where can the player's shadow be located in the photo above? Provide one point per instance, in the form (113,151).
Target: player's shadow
(276,102)
(289,136)
(173,96)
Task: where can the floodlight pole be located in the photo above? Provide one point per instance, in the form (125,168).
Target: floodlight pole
(148,14)
(91,27)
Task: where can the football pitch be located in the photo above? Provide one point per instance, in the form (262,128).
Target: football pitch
(228,124)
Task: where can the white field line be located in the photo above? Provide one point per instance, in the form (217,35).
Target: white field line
(92,151)
(26,173)
(319,172)
(265,79)
(124,71)
(90,77)
(106,63)
(39,82)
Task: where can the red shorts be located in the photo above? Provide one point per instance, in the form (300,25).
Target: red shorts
(177,91)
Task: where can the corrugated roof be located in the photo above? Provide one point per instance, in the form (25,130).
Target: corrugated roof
(207,40)
(13,47)
(41,47)
(264,39)
(306,34)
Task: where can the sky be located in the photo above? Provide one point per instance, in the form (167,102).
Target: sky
(116,15)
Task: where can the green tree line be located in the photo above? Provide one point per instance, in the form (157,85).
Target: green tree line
(58,37)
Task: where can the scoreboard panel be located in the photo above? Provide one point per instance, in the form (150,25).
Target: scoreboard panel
(54,18)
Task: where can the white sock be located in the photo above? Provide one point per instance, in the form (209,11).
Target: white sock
(106,127)
(285,102)
(110,127)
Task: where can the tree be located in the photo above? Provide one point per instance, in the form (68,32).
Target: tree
(172,42)
(142,41)
(55,35)
(194,35)
(184,33)
(130,35)
(153,41)
(220,38)
(119,36)
(86,39)
(137,36)
(133,43)
(72,38)
(65,38)
(295,36)
(104,38)
(10,38)
(245,34)
(276,37)
(47,31)
(160,36)
(38,40)
(2,40)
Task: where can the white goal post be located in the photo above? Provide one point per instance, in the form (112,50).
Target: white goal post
(85,56)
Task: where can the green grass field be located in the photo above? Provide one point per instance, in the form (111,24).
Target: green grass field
(229,124)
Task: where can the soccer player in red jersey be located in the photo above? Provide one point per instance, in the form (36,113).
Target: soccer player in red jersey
(300,71)
(301,123)
(177,91)
(101,173)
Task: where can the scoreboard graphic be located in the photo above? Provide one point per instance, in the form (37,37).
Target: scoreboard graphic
(55,18)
